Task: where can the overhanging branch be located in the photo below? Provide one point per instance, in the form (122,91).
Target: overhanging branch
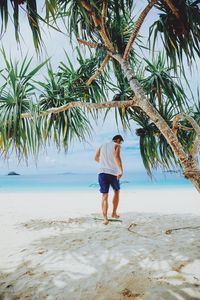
(89,106)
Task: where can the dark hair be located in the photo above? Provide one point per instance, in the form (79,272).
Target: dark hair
(118,137)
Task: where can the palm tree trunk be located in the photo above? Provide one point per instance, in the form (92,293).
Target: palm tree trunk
(189,164)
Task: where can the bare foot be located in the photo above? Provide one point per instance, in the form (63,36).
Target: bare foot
(105,222)
(115,216)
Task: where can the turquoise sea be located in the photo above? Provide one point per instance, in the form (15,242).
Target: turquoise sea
(75,181)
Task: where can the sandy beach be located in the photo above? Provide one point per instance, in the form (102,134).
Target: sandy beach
(52,247)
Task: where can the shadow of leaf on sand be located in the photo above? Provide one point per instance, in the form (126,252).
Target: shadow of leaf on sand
(81,258)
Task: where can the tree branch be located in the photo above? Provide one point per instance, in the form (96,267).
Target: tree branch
(103,22)
(196,144)
(102,32)
(173,8)
(96,74)
(137,27)
(104,14)
(89,44)
(175,11)
(70,105)
(98,24)
(185,128)
(103,18)
(88,7)
(140,21)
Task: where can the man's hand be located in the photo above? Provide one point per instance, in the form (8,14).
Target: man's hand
(118,161)
(119,175)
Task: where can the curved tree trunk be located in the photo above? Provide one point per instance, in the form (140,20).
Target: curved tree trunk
(188,163)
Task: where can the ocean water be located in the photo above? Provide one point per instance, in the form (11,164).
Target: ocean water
(72,181)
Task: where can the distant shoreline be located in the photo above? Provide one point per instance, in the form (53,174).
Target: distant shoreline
(87,182)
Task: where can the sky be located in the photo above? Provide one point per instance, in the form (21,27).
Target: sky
(80,157)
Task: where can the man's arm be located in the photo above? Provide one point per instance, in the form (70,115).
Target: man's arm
(97,155)
(118,160)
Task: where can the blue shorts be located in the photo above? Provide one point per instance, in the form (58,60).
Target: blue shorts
(105,180)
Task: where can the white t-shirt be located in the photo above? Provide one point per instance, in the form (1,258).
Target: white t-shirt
(107,160)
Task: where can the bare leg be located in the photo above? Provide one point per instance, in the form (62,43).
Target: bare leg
(115,204)
(105,208)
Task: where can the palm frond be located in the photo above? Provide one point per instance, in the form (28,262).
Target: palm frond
(161,85)
(32,15)
(33,22)
(4,15)
(65,126)
(80,22)
(180,37)
(17,96)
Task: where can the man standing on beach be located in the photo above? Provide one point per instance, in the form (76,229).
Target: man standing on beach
(111,170)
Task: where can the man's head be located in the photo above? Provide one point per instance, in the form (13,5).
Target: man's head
(118,139)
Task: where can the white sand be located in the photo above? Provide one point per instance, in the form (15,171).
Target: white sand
(52,248)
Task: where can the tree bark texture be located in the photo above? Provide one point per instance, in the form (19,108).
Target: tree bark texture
(84,105)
